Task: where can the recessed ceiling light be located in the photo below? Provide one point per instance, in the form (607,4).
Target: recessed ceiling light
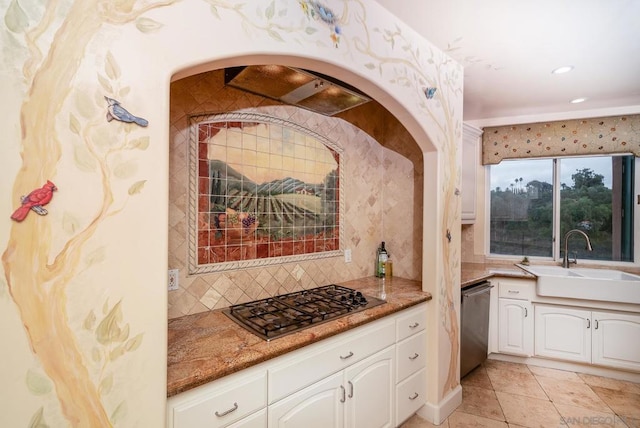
(578,100)
(564,69)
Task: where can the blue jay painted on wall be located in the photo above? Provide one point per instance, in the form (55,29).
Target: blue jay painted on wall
(117,112)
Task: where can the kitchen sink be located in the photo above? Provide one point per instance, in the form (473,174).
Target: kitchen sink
(607,285)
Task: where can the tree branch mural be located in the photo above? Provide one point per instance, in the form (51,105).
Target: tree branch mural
(37,277)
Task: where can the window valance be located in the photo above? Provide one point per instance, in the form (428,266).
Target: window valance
(603,135)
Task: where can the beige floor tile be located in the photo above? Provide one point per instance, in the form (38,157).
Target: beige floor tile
(630,422)
(605,382)
(581,417)
(624,404)
(572,394)
(417,422)
(460,419)
(515,382)
(477,377)
(529,412)
(505,365)
(480,402)
(555,374)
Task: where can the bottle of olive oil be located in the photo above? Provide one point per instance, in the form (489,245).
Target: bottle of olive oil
(381,261)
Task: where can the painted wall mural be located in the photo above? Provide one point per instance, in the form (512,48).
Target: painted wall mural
(268,192)
(86,317)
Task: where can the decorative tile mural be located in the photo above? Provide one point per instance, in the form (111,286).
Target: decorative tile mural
(604,135)
(268,191)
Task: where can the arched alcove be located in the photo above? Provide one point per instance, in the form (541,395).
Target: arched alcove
(378,147)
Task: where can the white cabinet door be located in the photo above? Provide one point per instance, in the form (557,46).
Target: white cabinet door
(616,340)
(470,162)
(257,420)
(370,387)
(515,327)
(320,405)
(562,332)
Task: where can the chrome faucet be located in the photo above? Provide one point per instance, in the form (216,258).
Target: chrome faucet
(565,259)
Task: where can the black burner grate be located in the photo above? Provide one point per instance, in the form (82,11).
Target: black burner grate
(277,316)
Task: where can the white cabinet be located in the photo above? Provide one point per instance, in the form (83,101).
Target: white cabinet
(470,160)
(616,340)
(605,338)
(515,328)
(349,380)
(411,354)
(563,333)
(222,403)
(515,316)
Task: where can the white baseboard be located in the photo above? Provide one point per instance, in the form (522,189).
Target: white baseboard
(438,413)
(568,366)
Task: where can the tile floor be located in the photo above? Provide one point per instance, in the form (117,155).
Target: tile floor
(502,394)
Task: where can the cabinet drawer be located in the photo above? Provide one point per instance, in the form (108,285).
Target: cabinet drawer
(410,396)
(517,289)
(219,403)
(411,355)
(411,322)
(303,368)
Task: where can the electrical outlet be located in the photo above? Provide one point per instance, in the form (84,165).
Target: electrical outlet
(347,255)
(173,280)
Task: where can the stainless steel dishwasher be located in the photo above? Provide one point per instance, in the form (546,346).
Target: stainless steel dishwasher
(474,322)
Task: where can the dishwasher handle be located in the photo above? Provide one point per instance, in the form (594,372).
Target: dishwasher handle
(477,290)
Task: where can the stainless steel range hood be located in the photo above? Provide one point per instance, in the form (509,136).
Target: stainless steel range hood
(312,91)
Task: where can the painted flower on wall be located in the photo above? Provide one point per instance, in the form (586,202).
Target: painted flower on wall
(318,11)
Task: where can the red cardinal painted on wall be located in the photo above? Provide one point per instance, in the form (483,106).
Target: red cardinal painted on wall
(35,201)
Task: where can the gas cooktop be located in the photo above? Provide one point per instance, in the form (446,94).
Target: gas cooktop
(277,316)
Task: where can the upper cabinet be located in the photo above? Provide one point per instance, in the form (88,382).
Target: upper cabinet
(470,160)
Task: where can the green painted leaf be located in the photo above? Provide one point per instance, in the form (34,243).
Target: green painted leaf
(124,91)
(214,11)
(133,343)
(275,35)
(124,334)
(37,420)
(37,383)
(146,25)
(119,413)
(15,19)
(126,169)
(116,353)
(83,159)
(96,355)
(96,256)
(106,384)
(310,30)
(105,307)
(74,125)
(89,321)
(141,143)
(137,187)
(106,85)
(85,105)
(108,330)
(270,11)
(370,65)
(111,67)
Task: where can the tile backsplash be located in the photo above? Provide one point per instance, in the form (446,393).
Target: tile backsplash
(381,203)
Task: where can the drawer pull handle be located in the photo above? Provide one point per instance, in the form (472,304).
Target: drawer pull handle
(514,291)
(349,355)
(350,389)
(416,355)
(526,312)
(414,396)
(414,325)
(344,398)
(226,412)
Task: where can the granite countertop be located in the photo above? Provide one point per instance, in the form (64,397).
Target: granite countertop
(472,273)
(207,346)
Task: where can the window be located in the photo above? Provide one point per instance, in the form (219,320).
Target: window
(535,202)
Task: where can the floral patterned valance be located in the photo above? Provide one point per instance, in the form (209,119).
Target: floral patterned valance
(604,135)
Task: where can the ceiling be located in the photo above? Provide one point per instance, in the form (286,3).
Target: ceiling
(509,47)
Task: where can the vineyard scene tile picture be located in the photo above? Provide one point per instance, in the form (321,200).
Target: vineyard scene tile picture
(265,190)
